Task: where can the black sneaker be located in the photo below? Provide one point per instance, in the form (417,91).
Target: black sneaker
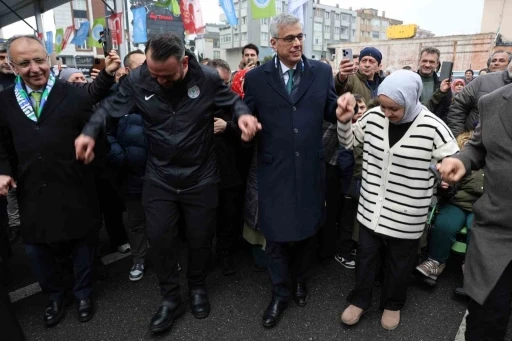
(347,261)
(353,252)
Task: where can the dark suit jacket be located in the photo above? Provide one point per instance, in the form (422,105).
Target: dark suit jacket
(290,159)
(56,194)
(490,251)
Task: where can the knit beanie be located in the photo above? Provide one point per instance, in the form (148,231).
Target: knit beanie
(67,72)
(371,52)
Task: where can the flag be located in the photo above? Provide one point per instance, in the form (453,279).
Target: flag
(49,42)
(140,34)
(198,16)
(40,35)
(59,36)
(296,7)
(67,35)
(81,34)
(98,25)
(191,16)
(263,8)
(115,23)
(229,11)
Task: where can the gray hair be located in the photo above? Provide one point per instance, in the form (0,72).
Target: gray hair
(14,38)
(501,51)
(390,69)
(283,19)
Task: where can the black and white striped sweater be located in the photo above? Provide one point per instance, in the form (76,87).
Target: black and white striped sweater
(397,186)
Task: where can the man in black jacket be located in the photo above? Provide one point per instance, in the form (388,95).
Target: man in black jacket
(177,98)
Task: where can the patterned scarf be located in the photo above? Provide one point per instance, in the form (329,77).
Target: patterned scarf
(24,101)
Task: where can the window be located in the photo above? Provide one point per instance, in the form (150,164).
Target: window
(327,15)
(375,22)
(375,34)
(264,36)
(337,16)
(236,37)
(345,17)
(383,36)
(318,27)
(264,21)
(216,43)
(344,30)
(243,4)
(317,40)
(326,41)
(80,5)
(336,29)
(216,54)
(244,36)
(384,23)
(353,32)
(327,28)
(225,39)
(244,20)
(362,33)
(319,12)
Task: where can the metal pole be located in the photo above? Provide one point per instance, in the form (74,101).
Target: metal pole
(110,8)
(16,14)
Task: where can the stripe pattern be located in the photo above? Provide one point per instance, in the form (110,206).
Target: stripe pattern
(397,186)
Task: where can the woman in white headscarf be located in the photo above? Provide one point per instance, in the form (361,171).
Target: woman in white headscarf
(401,140)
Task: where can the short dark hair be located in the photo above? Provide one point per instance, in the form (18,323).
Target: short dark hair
(359,98)
(166,45)
(500,51)
(407,67)
(355,56)
(469,70)
(430,50)
(252,47)
(373,104)
(219,63)
(126,59)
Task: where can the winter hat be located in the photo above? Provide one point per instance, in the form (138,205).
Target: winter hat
(67,72)
(371,52)
(457,81)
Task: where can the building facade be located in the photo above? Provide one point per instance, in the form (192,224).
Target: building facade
(371,26)
(496,18)
(207,45)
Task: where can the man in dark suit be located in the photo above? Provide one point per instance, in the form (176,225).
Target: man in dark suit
(39,120)
(290,157)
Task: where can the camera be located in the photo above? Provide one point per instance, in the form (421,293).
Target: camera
(106,41)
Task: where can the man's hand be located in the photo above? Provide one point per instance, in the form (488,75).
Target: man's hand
(84,148)
(6,183)
(249,126)
(451,169)
(346,105)
(250,66)
(94,73)
(445,85)
(112,62)
(219,125)
(346,69)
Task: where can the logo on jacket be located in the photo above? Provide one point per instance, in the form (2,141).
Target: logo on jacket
(193,92)
(148,97)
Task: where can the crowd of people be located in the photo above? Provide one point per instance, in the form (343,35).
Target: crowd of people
(302,162)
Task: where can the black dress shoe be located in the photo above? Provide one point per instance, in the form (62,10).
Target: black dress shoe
(300,294)
(273,313)
(53,313)
(85,309)
(199,303)
(165,316)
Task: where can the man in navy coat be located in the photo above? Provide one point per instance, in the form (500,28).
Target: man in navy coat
(290,97)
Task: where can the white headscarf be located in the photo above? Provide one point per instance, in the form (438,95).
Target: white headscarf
(404,87)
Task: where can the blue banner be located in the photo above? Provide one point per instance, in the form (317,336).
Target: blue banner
(140,34)
(81,34)
(49,42)
(229,11)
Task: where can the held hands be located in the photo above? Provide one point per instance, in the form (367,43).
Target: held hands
(445,85)
(6,183)
(84,148)
(249,126)
(451,169)
(219,125)
(112,62)
(346,105)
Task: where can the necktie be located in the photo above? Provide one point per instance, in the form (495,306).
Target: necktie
(37,101)
(289,85)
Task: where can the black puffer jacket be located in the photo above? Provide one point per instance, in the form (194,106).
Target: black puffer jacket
(181,151)
(463,114)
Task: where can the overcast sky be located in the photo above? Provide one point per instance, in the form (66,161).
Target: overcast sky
(443,17)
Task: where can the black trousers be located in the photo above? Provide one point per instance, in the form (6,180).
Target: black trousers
(48,270)
(135,223)
(163,207)
(488,322)
(289,261)
(112,208)
(11,330)
(346,228)
(229,225)
(400,258)
(328,234)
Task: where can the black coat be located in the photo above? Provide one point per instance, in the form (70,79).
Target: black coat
(56,194)
(227,147)
(181,152)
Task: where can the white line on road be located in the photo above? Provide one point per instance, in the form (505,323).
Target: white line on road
(34,288)
(462,329)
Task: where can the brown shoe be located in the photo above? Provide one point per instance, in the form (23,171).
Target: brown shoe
(390,319)
(351,315)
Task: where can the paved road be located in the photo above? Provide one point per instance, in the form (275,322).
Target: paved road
(124,309)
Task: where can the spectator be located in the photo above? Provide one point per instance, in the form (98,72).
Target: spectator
(469,75)
(72,75)
(356,62)
(457,86)
(389,70)
(407,67)
(484,71)
(499,60)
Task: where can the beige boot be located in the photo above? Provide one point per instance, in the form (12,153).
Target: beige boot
(352,315)
(390,319)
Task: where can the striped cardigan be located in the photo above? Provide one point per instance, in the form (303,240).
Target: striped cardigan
(397,186)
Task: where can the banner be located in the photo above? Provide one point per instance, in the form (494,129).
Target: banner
(49,42)
(115,23)
(140,34)
(263,8)
(97,26)
(229,11)
(296,7)
(59,36)
(40,35)
(67,35)
(192,16)
(81,34)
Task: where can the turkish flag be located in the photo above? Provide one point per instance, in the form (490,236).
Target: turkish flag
(115,24)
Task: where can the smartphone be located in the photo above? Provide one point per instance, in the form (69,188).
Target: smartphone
(446,70)
(107,37)
(99,63)
(347,54)
(434,170)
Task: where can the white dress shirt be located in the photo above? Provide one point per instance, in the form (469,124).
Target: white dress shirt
(285,72)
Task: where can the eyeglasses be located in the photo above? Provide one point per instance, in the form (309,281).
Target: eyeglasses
(26,63)
(290,39)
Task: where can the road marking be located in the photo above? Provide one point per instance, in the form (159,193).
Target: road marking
(462,329)
(34,288)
